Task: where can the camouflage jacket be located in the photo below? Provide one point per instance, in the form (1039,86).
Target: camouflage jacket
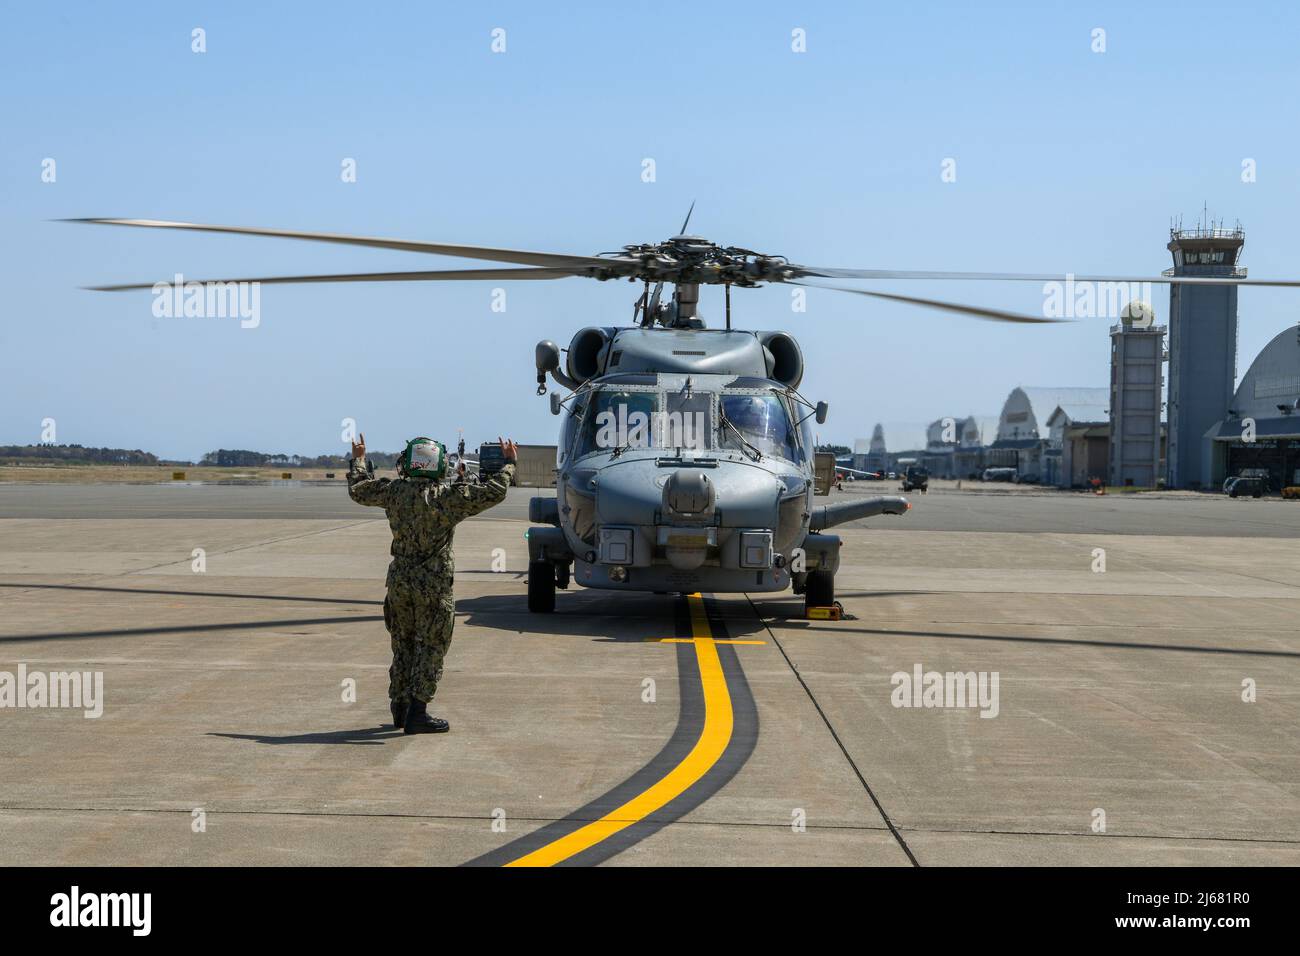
(423,513)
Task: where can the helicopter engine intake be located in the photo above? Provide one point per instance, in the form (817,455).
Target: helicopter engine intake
(587,353)
(784,358)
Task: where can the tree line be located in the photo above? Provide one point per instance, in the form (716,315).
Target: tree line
(76,455)
(243,458)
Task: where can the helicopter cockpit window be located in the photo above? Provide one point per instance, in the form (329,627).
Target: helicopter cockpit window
(617,419)
(687,421)
(763,422)
(571,419)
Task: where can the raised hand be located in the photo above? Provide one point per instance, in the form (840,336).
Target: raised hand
(359,447)
(509,449)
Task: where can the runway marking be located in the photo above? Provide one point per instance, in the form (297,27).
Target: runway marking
(714,737)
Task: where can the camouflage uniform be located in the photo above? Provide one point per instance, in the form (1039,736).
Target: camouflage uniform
(420,609)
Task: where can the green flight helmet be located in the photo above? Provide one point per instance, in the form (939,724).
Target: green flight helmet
(423,458)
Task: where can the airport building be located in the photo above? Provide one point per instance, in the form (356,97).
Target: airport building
(1261,431)
(1031,429)
(1085,449)
(942,438)
(977,433)
(910,444)
(871,455)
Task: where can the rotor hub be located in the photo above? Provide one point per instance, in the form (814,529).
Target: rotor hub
(695,260)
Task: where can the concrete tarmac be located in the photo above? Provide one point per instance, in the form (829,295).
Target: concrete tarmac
(978,507)
(244,704)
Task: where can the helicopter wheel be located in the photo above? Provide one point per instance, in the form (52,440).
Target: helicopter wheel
(820,589)
(541,587)
(562,573)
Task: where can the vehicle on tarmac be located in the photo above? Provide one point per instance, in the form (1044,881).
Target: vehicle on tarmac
(916,478)
(1240,485)
(491,459)
(999,474)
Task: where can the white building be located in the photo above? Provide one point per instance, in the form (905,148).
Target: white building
(1029,438)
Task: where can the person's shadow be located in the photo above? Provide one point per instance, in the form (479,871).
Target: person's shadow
(371,736)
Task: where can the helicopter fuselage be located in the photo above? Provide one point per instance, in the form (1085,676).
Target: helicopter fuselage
(685,463)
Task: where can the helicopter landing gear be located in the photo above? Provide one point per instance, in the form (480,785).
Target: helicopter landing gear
(562,575)
(799,582)
(541,587)
(819,591)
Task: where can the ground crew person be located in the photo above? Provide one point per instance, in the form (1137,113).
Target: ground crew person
(423,510)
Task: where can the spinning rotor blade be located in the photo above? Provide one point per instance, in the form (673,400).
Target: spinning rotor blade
(979,311)
(444,275)
(545,259)
(800,272)
(682,259)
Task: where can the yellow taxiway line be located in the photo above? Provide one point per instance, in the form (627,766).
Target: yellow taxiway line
(714,737)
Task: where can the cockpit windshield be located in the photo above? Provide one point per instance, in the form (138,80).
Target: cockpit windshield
(615,419)
(762,421)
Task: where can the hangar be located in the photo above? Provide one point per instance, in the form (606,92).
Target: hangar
(1262,427)
(1029,437)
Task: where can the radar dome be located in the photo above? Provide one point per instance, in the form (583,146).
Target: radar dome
(1138,314)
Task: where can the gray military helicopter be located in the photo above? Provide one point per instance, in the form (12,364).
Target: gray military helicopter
(685,457)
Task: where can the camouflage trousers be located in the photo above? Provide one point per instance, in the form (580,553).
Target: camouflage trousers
(419,612)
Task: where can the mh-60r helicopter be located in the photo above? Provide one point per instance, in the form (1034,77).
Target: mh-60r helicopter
(685,458)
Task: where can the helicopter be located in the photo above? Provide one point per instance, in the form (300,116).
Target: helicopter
(686,458)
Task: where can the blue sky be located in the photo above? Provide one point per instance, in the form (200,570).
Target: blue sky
(1066,160)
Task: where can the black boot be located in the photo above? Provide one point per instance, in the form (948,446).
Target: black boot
(418,720)
(399,708)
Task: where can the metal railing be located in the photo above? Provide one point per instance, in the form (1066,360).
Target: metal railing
(1225,271)
(1207,232)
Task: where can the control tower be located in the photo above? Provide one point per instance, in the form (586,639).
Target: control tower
(1202,346)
